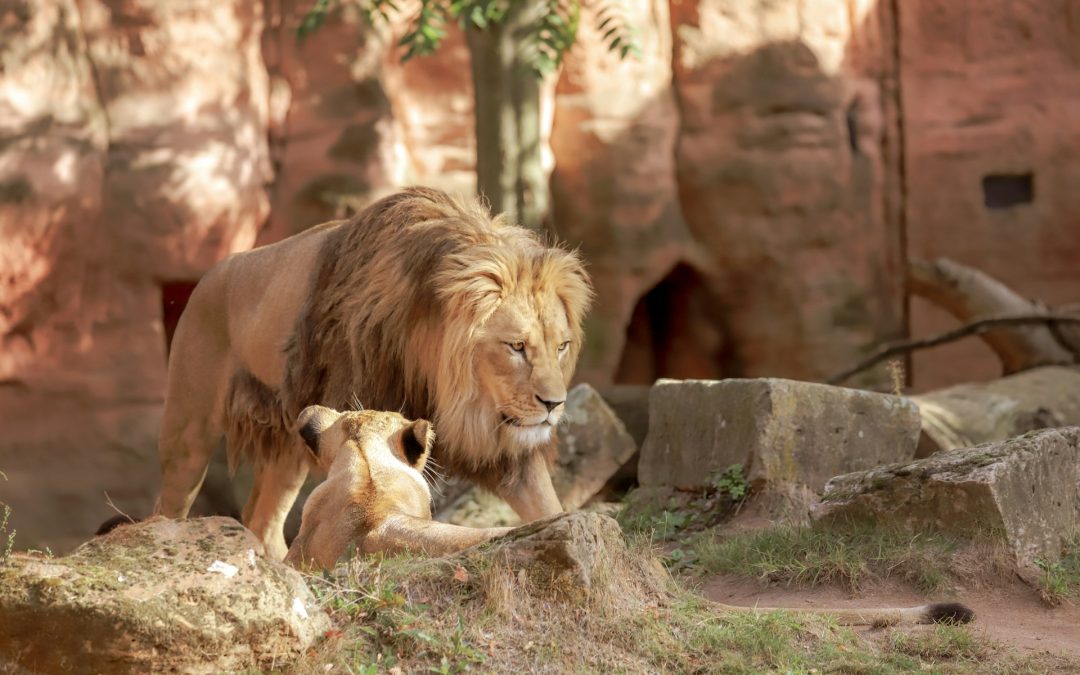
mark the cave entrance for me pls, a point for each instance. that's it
(674, 332)
(174, 298)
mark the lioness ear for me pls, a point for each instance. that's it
(312, 421)
(416, 441)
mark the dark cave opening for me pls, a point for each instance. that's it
(673, 332)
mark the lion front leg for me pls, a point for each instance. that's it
(531, 495)
(278, 481)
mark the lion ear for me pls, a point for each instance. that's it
(416, 441)
(312, 421)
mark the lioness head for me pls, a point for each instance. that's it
(374, 462)
(526, 303)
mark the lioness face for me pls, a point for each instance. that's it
(524, 360)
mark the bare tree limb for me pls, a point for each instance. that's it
(970, 294)
(890, 349)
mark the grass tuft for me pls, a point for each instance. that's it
(852, 556)
(1060, 580)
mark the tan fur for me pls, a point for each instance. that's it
(416, 304)
(374, 497)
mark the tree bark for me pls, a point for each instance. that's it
(509, 169)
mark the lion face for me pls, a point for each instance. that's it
(523, 363)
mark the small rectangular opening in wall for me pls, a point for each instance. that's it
(174, 298)
(1002, 190)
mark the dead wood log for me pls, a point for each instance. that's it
(969, 294)
(970, 414)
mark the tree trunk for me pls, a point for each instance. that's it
(509, 170)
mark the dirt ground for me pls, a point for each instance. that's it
(1012, 615)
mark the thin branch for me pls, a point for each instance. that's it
(890, 349)
(114, 507)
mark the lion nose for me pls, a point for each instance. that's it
(550, 405)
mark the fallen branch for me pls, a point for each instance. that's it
(970, 294)
(890, 349)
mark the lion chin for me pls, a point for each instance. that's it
(421, 303)
(530, 436)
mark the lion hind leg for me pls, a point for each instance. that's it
(940, 612)
(185, 447)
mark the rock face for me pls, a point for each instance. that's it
(613, 187)
(1025, 490)
(779, 430)
(593, 446)
(989, 177)
(744, 206)
(332, 132)
(191, 596)
(783, 164)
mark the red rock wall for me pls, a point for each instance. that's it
(991, 88)
(132, 153)
(782, 174)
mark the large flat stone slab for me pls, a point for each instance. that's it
(193, 596)
(1026, 490)
(779, 430)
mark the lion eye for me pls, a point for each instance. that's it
(518, 346)
(564, 346)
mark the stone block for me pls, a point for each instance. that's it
(779, 430)
(1025, 490)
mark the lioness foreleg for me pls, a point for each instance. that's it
(531, 494)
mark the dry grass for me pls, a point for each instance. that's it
(422, 615)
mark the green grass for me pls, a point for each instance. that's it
(1060, 580)
(851, 556)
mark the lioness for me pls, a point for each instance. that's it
(375, 495)
(421, 303)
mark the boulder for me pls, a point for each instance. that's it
(582, 552)
(193, 596)
(593, 446)
(779, 430)
(1025, 490)
(980, 412)
(630, 403)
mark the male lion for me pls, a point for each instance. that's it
(421, 303)
(375, 495)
